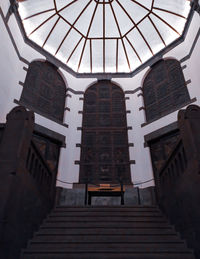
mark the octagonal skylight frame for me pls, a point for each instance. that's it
(85, 67)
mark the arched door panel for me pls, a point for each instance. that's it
(104, 152)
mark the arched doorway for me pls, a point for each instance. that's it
(104, 149)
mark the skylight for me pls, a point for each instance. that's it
(103, 36)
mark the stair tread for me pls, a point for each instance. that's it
(108, 238)
(105, 213)
(108, 246)
(108, 256)
(111, 209)
(105, 218)
(107, 207)
(96, 232)
(84, 224)
(107, 231)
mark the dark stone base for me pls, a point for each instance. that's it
(132, 197)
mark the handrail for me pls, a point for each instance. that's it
(178, 143)
(173, 169)
(41, 157)
(177, 183)
(39, 169)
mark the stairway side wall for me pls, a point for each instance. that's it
(179, 196)
(23, 200)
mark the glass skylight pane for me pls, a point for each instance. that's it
(139, 44)
(133, 59)
(96, 30)
(135, 11)
(123, 20)
(32, 23)
(62, 3)
(73, 11)
(84, 67)
(57, 35)
(29, 7)
(42, 32)
(146, 3)
(111, 29)
(97, 56)
(151, 35)
(166, 32)
(75, 59)
(122, 60)
(172, 20)
(83, 22)
(67, 47)
(110, 55)
(181, 7)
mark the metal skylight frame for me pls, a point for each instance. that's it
(86, 37)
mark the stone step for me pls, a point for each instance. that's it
(111, 208)
(102, 255)
(95, 232)
(106, 213)
(106, 238)
(107, 231)
(108, 247)
(104, 224)
(114, 218)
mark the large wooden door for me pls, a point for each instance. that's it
(104, 152)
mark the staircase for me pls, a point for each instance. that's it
(138, 232)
